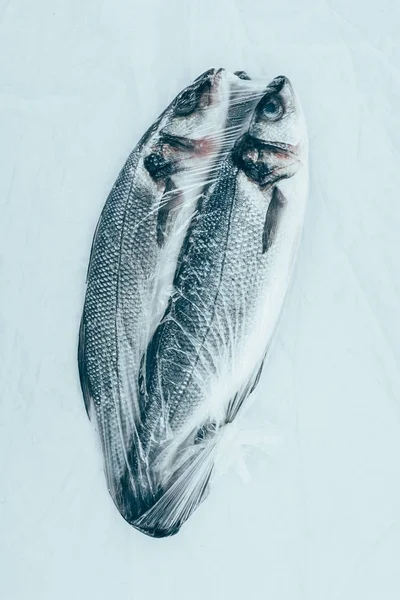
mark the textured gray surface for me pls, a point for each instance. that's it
(320, 517)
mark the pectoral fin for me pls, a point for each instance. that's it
(83, 376)
(275, 208)
(169, 201)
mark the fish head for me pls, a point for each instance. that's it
(200, 108)
(191, 126)
(278, 116)
(275, 145)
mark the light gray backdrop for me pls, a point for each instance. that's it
(320, 516)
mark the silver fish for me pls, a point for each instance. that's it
(206, 355)
(133, 258)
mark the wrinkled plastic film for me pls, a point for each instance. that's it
(189, 268)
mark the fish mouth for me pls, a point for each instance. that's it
(216, 82)
(206, 75)
(282, 85)
(278, 83)
(212, 77)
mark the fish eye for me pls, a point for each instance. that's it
(272, 108)
(187, 103)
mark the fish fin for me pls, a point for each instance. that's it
(87, 396)
(275, 208)
(135, 491)
(193, 466)
(170, 200)
(158, 166)
(188, 487)
(248, 388)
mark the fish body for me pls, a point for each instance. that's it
(233, 272)
(133, 258)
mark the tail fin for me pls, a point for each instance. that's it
(192, 466)
(188, 488)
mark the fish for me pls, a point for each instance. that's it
(206, 355)
(134, 254)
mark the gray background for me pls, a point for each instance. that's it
(319, 516)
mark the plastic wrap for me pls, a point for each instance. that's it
(319, 516)
(189, 268)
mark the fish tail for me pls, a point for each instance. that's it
(133, 497)
(188, 487)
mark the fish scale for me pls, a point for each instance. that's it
(219, 253)
(206, 355)
(126, 284)
(100, 316)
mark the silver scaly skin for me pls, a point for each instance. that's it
(132, 263)
(233, 272)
